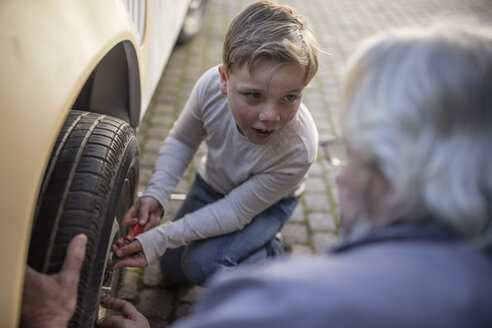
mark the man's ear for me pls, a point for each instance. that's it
(223, 80)
(379, 196)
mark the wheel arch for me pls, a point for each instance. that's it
(113, 87)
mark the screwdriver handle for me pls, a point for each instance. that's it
(134, 231)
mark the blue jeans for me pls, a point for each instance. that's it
(195, 262)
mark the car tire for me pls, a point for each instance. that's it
(89, 184)
(193, 21)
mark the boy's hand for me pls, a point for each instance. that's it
(131, 317)
(139, 213)
(131, 255)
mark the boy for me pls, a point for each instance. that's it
(260, 141)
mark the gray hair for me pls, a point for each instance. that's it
(417, 103)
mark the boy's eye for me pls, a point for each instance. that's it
(253, 95)
(290, 98)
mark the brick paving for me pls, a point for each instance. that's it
(339, 25)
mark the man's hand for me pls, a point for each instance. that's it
(131, 255)
(140, 210)
(131, 317)
(49, 300)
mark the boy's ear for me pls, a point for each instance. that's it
(223, 80)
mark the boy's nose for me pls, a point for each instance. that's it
(269, 114)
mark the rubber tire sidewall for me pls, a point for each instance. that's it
(80, 194)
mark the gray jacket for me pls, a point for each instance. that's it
(402, 276)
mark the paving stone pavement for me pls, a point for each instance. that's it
(339, 25)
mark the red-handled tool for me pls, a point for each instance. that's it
(134, 231)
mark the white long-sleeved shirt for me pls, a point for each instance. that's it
(252, 177)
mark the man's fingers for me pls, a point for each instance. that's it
(122, 306)
(131, 317)
(109, 303)
(70, 272)
(113, 322)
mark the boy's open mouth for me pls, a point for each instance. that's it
(263, 133)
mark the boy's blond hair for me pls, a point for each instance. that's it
(268, 30)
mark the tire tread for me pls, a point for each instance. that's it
(76, 192)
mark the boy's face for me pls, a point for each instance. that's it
(264, 101)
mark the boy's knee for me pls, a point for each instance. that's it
(198, 267)
(170, 265)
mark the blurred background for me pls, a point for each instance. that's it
(338, 25)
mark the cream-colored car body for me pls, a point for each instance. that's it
(48, 50)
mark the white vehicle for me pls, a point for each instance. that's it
(75, 79)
